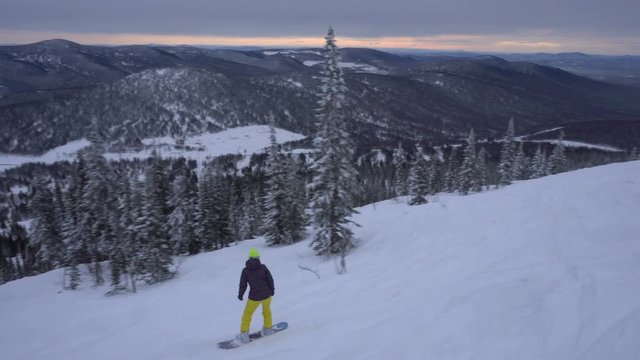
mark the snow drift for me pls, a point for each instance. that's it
(543, 269)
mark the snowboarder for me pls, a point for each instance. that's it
(261, 290)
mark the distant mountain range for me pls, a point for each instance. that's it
(50, 92)
(620, 69)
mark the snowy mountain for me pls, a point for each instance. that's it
(53, 90)
(542, 269)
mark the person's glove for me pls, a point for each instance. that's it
(240, 297)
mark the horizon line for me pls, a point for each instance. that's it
(446, 43)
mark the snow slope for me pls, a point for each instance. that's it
(245, 140)
(543, 269)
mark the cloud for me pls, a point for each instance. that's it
(460, 24)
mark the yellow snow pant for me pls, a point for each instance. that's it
(250, 308)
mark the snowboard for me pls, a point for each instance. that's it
(233, 343)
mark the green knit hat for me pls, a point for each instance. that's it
(253, 253)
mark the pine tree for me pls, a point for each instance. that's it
(507, 157)
(182, 218)
(117, 260)
(558, 158)
(539, 164)
(244, 210)
(205, 218)
(71, 244)
(58, 202)
(520, 165)
(468, 171)
(236, 210)
(255, 216)
(76, 249)
(482, 177)
(277, 197)
(133, 221)
(401, 171)
(296, 215)
(334, 180)
(124, 247)
(96, 203)
(46, 232)
(634, 155)
(451, 176)
(435, 175)
(419, 178)
(220, 212)
(157, 250)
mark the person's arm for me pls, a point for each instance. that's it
(243, 284)
(270, 281)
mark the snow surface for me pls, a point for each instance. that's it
(289, 52)
(245, 140)
(568, 143)
(350, 65)
(542, 269)
(579, 144)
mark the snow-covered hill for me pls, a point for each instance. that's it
(543, 269)
(244, 140)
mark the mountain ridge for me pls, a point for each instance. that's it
(391, 98)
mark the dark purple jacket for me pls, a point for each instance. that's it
(259, 279)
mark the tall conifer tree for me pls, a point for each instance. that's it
(507, 157)
(334, 182)
(468, 176)
(419, 178)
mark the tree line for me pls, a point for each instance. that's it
(126, 222)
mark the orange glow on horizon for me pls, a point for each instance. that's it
(526, 42)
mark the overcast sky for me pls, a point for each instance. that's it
(596, 26)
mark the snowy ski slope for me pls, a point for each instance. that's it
(543, 269)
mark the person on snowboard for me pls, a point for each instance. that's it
(261, 290)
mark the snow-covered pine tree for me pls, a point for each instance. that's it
(539, 163)
(467, 177)
(507, 157)
(117, 260)
(236, 210)
(220, 211)
(134, 238)
(401, 171)
(520, 166)
(255, 210)
(419, 178)
(75, 246)
(244, 209)
(182, 218)
(71, 244)
(558, 158)
(277, 195)
(451, 175)
(205, 218)
(58, 201)
(296, 214)
(46, 234)
(435, 175)
(634, 155)
(153, 224)
(96, 203)
(334, 181)
(482, 173)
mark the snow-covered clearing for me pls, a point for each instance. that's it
(245, 140)
(543, 269)
(350, 65)
(579, 144)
